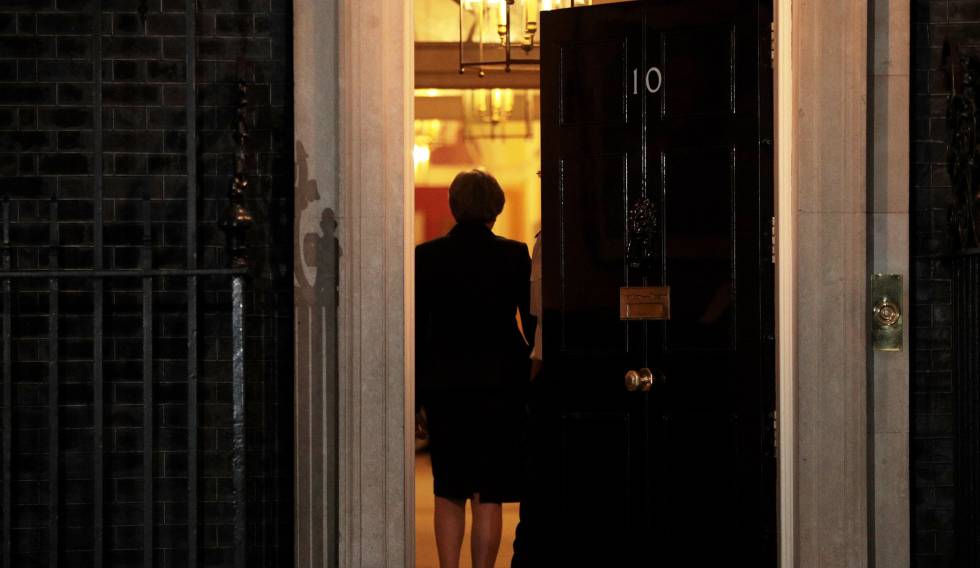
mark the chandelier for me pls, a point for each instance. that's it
(494, 105)
(490, 30)
(499, 114)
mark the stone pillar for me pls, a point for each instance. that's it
(353, 121)
(889, 233)
(830, 277)
(376, 449)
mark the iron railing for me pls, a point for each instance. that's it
(237, 220)
(962, 153)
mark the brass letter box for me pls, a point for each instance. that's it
(644, 303)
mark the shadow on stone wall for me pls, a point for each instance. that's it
(316, 272)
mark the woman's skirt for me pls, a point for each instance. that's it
(476, 439)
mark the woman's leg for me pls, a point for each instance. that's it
(450, 521)
(485, 540)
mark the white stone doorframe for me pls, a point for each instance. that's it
(842, 190)
(354, 381)
(353, 105)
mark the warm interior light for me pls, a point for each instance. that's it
(531, 10)
(427, 133)
(530, 17)
(496, 105)
(421, 155)
(557, 4)
(493, 105)
(514, 27)
(479, 98)
(502, 7)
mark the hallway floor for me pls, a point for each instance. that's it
(425, 539)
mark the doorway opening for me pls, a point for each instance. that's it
(464, 122)
(460, 129)
(446, 112)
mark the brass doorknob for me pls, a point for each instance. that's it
(640, 380)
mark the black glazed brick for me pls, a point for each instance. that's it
(59, 70)
(65, 164)
(166, 71)
(75, 94)
(27, 94)
(127, 24)
(124, 47)
(74, 47)
(61, 118)
(27, 46)
(933, 389)
(64, 24)
(126, 70)
(48, 133)
(166, 24)
(131, 94)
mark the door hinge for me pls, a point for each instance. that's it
(772, 232)
(772, 42)
(775, 429)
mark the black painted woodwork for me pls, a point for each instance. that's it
(682, 475)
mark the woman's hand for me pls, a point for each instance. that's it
(421, 425)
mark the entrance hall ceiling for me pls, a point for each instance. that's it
(436, 21)
(437, 52)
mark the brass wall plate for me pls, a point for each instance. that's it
(887, 312)
(644, 303)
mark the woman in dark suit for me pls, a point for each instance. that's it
(471, 366)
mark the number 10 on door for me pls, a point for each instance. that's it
(652, 80)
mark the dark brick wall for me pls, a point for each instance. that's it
(933, 388)
(48, 134)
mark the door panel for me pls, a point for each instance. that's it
(682, 474)
(698, 518)
(593, 83)
(699, 243)
(588, 439)
(592, 194)
(594, 165)
(700, 64)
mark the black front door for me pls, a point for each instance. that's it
(656, 170)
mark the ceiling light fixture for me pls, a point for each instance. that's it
(499, 114)
(496, 26)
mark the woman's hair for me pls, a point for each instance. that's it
(475, 196)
